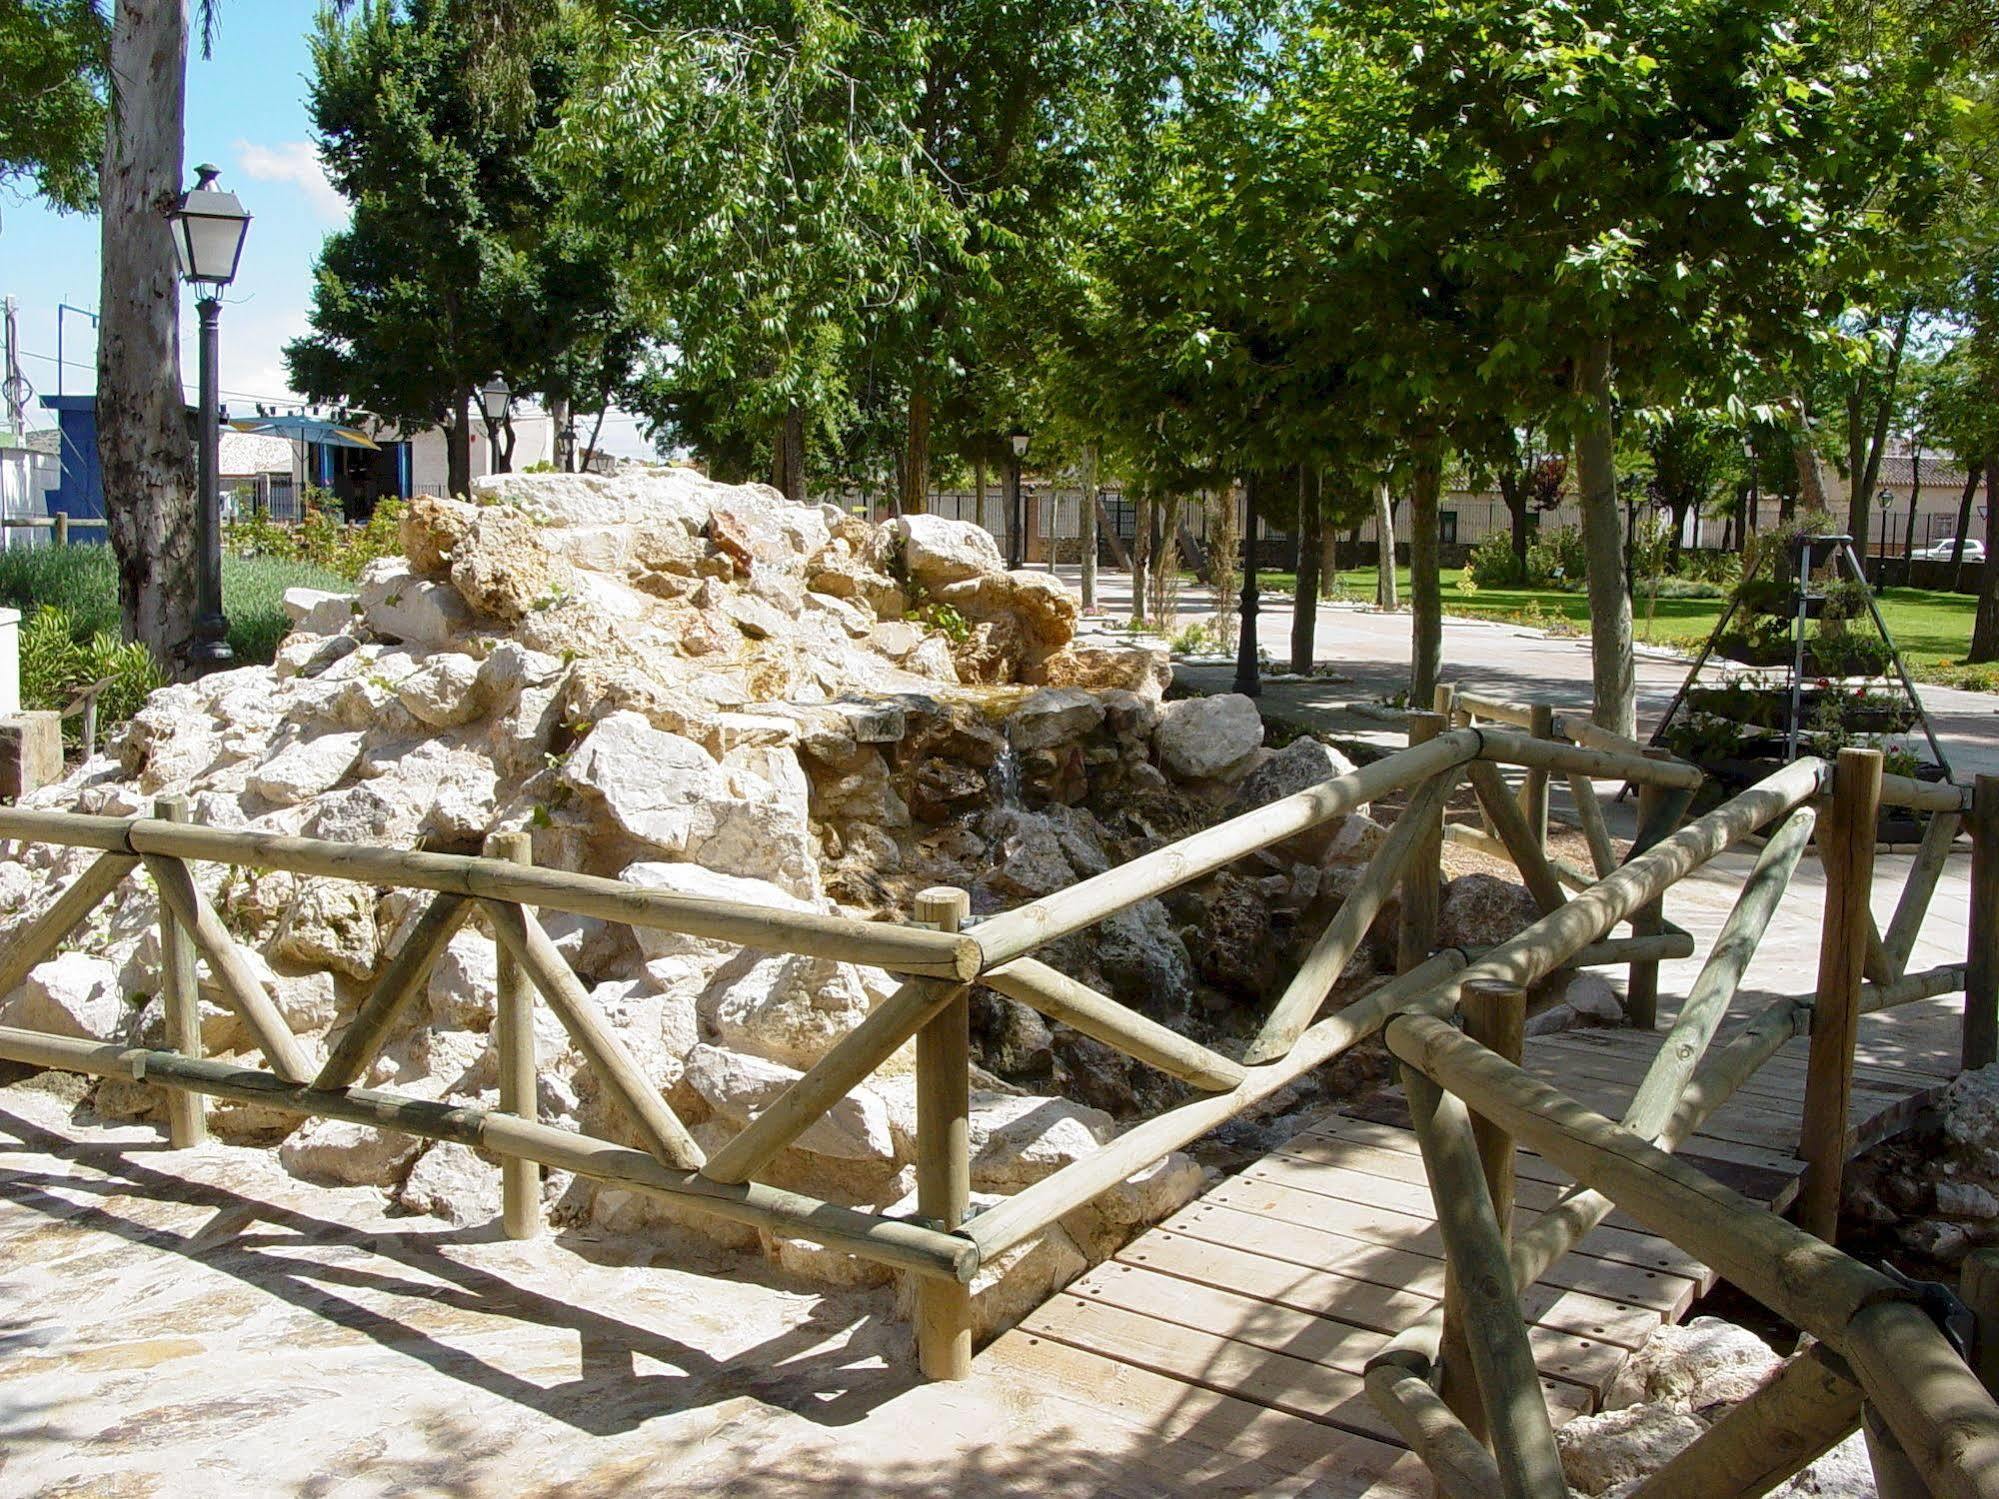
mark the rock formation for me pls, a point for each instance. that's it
(705, 689)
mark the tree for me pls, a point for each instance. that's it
(142, 436)
(1690, 455)
(52, 111)
(1531, 481)
(1629, 196)
(454, 264)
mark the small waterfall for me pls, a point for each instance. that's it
(1006, 778)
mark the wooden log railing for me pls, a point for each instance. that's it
(941, 955)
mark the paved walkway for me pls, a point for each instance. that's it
(1370, 651)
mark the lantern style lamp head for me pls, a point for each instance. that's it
(209, 227)
(494, 397)
(1018, 437)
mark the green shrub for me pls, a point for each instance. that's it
(56, 666)
(1492, 563)
(1557, 559)
(322, 538)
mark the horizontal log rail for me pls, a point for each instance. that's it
(901, 949)
(892, 1241)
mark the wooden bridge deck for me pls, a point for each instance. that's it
(1244, 1322)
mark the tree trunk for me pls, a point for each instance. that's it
(1305, 603)
(1087, 517)
(916, 456)
(1611, 664)
(1384, 530)
(560, 416)
(791, 440)
(1985, 628)
(597, 428)
(1811, 480)
(1140, 554)
(1963, 527)
(1329, 546)
(1915, 498)
(1868, 473)
(1426, 597)
(142, 433)
(1511, 491)
(458, 448)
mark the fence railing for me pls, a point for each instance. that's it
(1858, 1313)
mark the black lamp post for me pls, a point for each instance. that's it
(1248, 663)
(1884, 499)
(494, 400)
(1016, 528)
(209, 226)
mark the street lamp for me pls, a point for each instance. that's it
(1755, 494)
(1248, 659)
(1016, 538)
(494, 400)
(209, 226)
(1884, 499)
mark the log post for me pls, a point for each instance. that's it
(1495, 1016)
(1534, 790)
(513, 1041)
(1422, 881)
(1641, 994)
(1514, 1408)
(187, 1119)
(1846, 847)
(1978, 1288)
(943, 1151)
(1981, 982)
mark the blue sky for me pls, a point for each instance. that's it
(246, 112)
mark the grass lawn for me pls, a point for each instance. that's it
(82, 581)
(1932, 628)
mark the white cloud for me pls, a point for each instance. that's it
(296, 162)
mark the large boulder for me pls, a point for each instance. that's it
(740, 1087)
(1017, 1140)
(786, 1007)
(1695, 1366)
(500, 567)
(1209, 738)
(1602, 1454)
(397, 604)
(1483, 910)
(1299, 766)
(72, 994)
(338, 1153)
(1104, 666)
(937, 551)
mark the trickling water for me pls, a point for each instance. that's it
(1006, 778)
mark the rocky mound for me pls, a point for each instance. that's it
(690, 686)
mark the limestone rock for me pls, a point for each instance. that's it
(1694, 1366)
(1602, 1452)
(398, 604)
(329, 923)
(1107, 666)
(430, 530)
(1016, 1141)
(1299, 766)
(740, 1087)
(786, 1007)
(654, 784)
(357, 1155)
(72, 994)
(451, 1182)
(500, 567)
(1209, 738)
(1044, 606)
(1483, 910)
(464, 985)
(700, 884)
(443, 691)
(314, 611)
(1051, 717)
(936, 551)
(302, 771)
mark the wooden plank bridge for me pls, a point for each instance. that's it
(1245, 1321)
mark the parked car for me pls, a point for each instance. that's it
(1974, 551)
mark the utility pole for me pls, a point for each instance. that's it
(13, 386)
